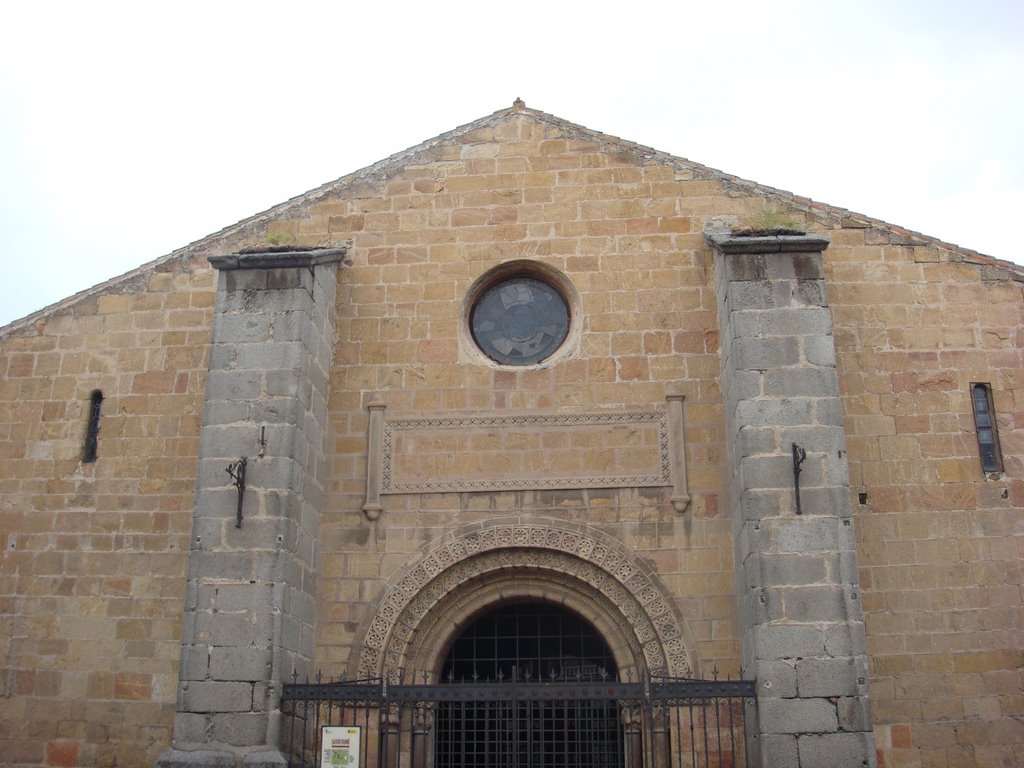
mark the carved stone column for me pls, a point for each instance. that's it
(632, 727)
(250, 611)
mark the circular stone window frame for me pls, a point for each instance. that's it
(535, 270)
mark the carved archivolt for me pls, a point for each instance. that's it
(579, 567)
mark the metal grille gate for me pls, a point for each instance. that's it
(662, 723)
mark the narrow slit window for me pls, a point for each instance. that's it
(92, 433)
(985, 424)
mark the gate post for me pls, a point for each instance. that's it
(633, 732)
(422, 724)
(797, 583)
(660, 753)
(390, 735)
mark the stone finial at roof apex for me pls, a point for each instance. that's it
(518, 104)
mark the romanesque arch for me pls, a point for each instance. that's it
(463, 573)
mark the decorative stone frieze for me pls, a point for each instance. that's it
(528, 451)
(548, 559)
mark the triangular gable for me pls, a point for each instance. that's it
(831, 217)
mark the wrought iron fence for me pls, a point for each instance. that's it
(574, 723)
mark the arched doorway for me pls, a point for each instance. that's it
(461, 587)
(458, 576)
(510, 648)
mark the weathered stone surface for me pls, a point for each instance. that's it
(197, 758)
(243, 664)
(264, 759)
(252, 599)
(837, 750)
(797, 715)
(779, 751)
(212, 696)
(238, 729)
(828, 677)
(854, 713)
(791, 596)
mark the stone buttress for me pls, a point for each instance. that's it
(800, 619)
(250, 606)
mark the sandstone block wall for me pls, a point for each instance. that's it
(92, 574)
(94, 554)
(914, 324)
(628, 236)
(939, 542)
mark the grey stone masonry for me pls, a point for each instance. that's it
(797, 586)
(250, 603)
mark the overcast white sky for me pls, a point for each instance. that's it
(130, 129)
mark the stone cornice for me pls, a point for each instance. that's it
(278, 259)
(727, 242)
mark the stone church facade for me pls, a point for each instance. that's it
(521, 364)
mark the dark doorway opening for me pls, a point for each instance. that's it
(524, 644)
